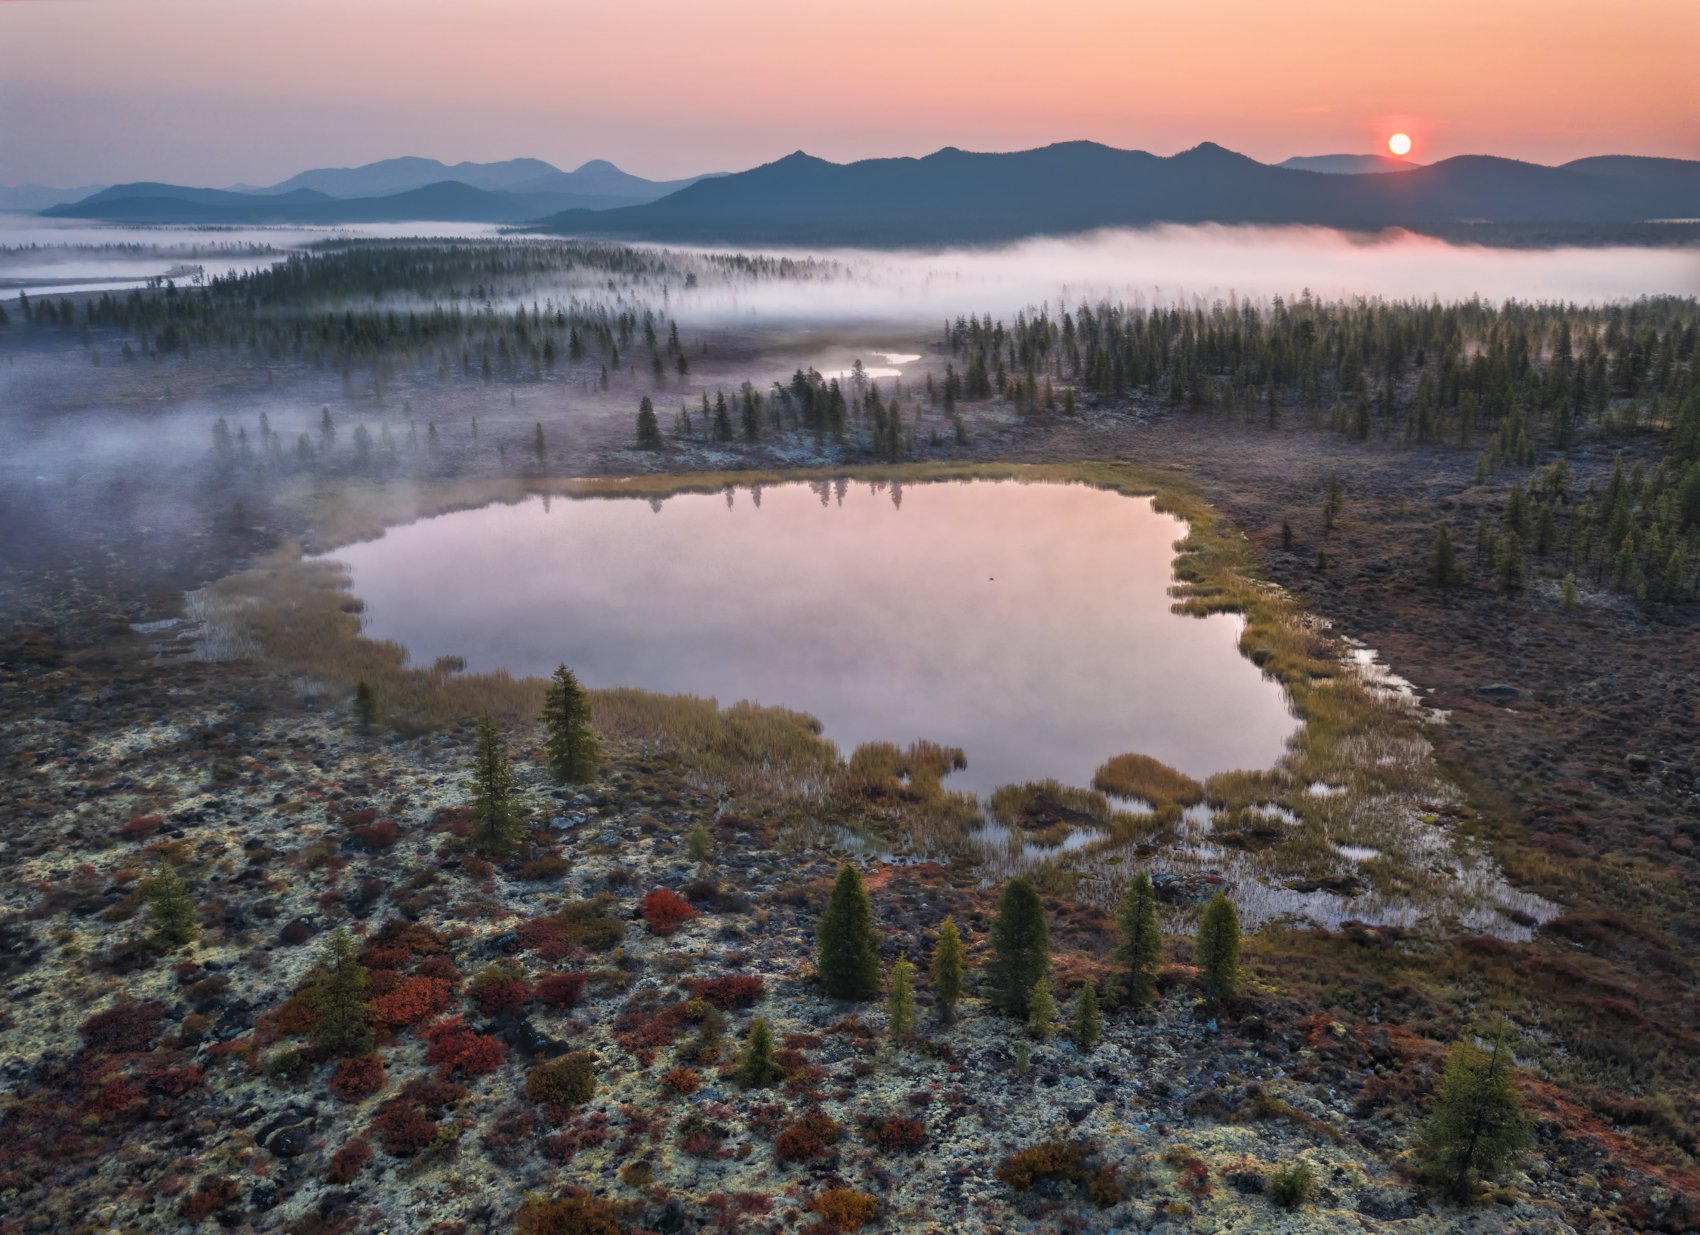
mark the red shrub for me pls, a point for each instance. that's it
(456, 1047)
(397, 944)
(642, 1026)
(123, 1027)
(208, 1199)
(732, 991)
(437, 967)
(141, 826)
(550, 939)
(380, 835)
(355, 1079)
(347, 1161)
(175, 1082)
(665, 911)
(412, 1001)
(810, 1137)
(560, 990)
(894, 1131)
(502, 996)
(683, 1081)
(403, 1128)
(585, 1132)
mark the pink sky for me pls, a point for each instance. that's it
(218, 91)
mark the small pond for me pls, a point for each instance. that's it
(1029, 624)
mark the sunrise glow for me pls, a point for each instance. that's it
(1399, 144)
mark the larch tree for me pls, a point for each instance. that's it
(847, 949)
(1142, 942)
(1085, 1026)
(947, 969)
(648, 427)
(496, 823)
(1218, 947)
(574, 754)
(900, 999)
(1021, 948)
(171, 910)
(759, 1067)
(343, 1027)
(1476, 1126)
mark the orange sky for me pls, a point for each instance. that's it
(214, 91)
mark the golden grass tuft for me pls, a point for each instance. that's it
(1141, 776)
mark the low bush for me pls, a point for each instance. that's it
(559, 990)
(576, 1213)
(666, 911)
(455, 1047)
(124, 1027)
(411, 1001)
(845, 1208)
(355, 1079)
(1025, 1169)
(348, 1161)
(567, 1081)
(732, 991)
(1293, 1185)
(806, 1139)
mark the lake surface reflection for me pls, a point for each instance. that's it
(1029, 624)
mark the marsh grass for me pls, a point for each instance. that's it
(1141, 776)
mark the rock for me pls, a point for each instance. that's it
(288, 1135)
(1499, 690)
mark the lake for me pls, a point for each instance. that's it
(1029, 624)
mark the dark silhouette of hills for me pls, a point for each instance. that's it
(597, 178)
(1347, 164)
(953, 196)
(404, 189)
(446, 201)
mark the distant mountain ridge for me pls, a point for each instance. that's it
(392, 190)
(597, 178)
(1347, 164)
(953, 196)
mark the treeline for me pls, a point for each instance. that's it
(858, 416)
(445, 314)
(1506, 381)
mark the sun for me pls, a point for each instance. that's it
(1400, 144)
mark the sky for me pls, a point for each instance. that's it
(215, 92)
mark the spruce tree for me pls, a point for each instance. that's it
(365, 706)
(1218, 947)
(847, 953)
(1084, 1028)
(900, 999)
(648, 428)
(1332, 503)
(496, 824)
(758, 1066)
(343, 1027)
(171, 910)
(1142, 941)
(574, 754)
(947, 967)
(698, 843)
(1443, 566)
(1568, 596)
(1021, 948)
(1476, 1126)
(1041, 1007)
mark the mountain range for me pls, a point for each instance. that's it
(951, 196)
(403, 189)
(954, 196)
